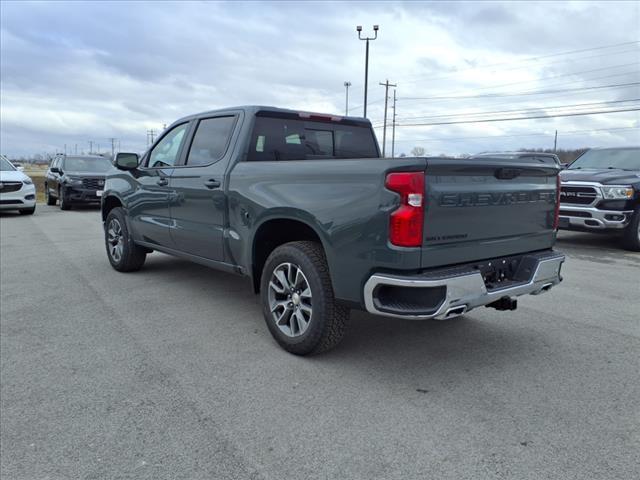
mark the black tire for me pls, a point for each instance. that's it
(63, 200)
(328, 320)
(131, 256)
(50, 200)
(631, 236)
(27, 211)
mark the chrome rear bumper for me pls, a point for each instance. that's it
(464, 290)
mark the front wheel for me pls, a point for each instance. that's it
(64, 201)
(298, 302)
(631, 236)
(124, 255)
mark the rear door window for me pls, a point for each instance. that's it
(210, 140)
(299, 139)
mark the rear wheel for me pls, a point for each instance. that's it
(50, 200)
(64, 201)
(631, 236)
(298, 302)
(27, 211)
(124, 255)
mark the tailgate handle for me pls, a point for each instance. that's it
(507, 173)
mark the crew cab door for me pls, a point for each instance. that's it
(149, 205)
(198, 214)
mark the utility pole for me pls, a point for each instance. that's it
(113, 147)
(555, 142)
(386, 86)
(346, 105)
(90, 147)
(76, 149)
(393, 128)
(65, 149)
(366, 62)
(150, 135)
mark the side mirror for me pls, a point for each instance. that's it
(56, 170)
(127, 161)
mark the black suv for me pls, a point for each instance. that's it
(76, 179)
(601, 193)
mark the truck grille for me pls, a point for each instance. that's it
(93, 183)
(577, 195)
(6, 187)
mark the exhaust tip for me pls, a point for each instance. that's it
(455, 311)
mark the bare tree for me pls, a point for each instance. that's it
(418, 151)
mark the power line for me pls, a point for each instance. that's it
(455, 139)
(559, 76)
(574, 114)
(553, 93)
(518, 94)
(520, 109)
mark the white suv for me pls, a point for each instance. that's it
(17, 191)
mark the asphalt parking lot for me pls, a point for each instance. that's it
(170, 373)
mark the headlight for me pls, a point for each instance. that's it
(617, 193)
(73, 181)
(27, 181)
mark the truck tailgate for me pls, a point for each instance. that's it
(483, 208)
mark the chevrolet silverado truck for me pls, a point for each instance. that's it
(600, 192)
(304, 205)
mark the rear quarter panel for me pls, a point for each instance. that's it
(343, 201)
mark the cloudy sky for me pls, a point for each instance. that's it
(76, 72)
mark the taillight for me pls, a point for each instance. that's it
(556, 217)
(405, 223)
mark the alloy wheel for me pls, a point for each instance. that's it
(290, 299)
(115, 240)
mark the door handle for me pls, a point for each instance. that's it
(211, 183)
(163, 182)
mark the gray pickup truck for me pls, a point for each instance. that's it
(303, 204)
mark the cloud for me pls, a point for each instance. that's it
(74, 72)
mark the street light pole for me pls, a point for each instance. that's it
(366, 62)
(346, 101)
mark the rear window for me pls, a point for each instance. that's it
(292, 139)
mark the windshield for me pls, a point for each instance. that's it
(87, 164)
(5, 165)
(622, 158)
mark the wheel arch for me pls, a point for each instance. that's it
(109, 203)
(272, 233)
